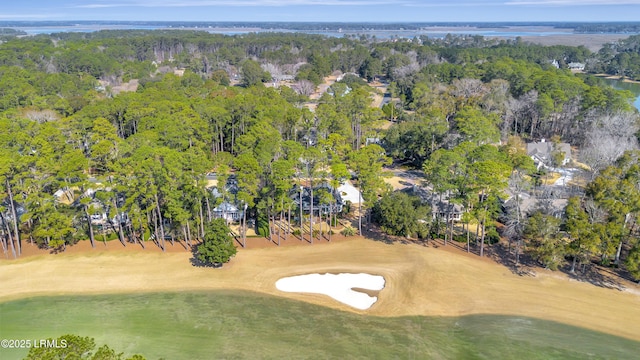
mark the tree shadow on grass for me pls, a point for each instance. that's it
(505, 256)
(373, 232)
(600, 276)
(56, 250)
(97, 245)
(458, 246)
(597, 275)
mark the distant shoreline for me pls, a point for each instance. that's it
(617, 77)
(546, 34)
(593, 42)
(525, 31)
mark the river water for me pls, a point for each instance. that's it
(633, 87)
(433, 32)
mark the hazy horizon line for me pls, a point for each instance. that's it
(326, 22)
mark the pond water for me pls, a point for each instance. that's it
(633, 87)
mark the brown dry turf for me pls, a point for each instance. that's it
(420, 280)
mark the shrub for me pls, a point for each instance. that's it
(461, 238)
(491, 236)
(347, 207)
(262, 226)
(348, 231)
(147, 234)
(423, 231)
(113, 235)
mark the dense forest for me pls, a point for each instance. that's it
(132, 124)
(621, 58)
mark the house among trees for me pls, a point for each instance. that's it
(310, 138)
(7, 215)
(282, 77)
(100, 212)
(228, 211)
(279, 79)
(549, 154)
(338, 91)
(99, 216)
(63, 196)
(528, 205)
(230, 208)
(441, 208)
(551, 200)
(350, 193)
(335, 206)
(372, 140)
(576, 66)
(231, 187)
(446, 210)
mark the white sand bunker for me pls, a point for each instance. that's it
(338, 286)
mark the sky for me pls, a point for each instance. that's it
(322, 10)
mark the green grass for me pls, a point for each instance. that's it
(245, 325)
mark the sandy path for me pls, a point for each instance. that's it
(419, 281)
(322, 88)
(403, 178)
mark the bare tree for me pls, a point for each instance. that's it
(496, 98)
(565, 123)
(596, 213)
(272, 69)
(406, 70)
(468, 88)
(514, 220)
(522, 114)
(305, 87)
(290, 68)
(609, 136)
(42, 116)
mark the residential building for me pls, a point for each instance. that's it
(335, 206)
(441, 207)
(228, 211)
(543, 153)
(576, 66)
